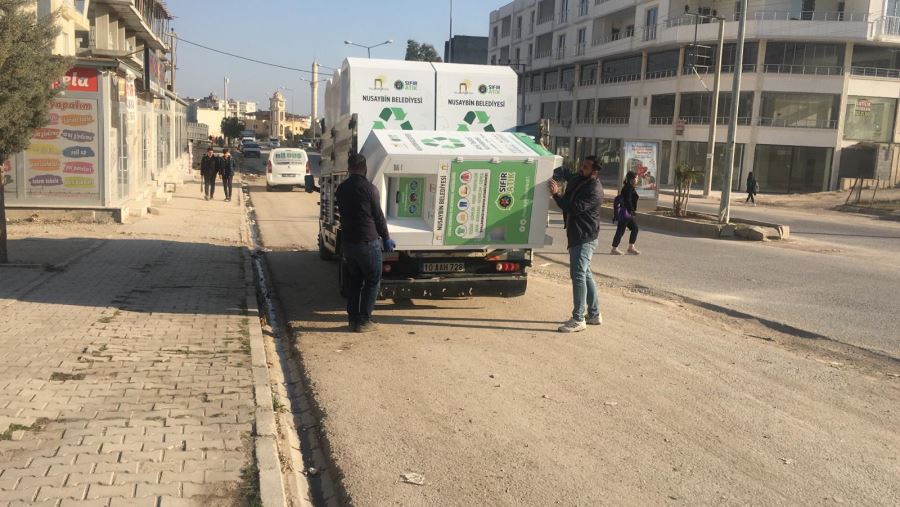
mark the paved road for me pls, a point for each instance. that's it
(493, 407)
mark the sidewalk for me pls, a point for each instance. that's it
(126, 378)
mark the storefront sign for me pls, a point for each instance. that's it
(61, 164)
(153, 72)
(870, 119)
(641, 158)
(79, 79)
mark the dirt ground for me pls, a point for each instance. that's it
(664, 403)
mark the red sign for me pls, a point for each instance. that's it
(79, 79)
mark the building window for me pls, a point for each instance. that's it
(551, 80)
(565, 113)
(584, 112)
(804, 58)
(621, 69)
(792, 169)
(696, 108)
(493, 59)
(609, 153)
(545, 11)
(567, 78)
(693, 154)
(563, 11)
(518, 56)
(870, 119)
(505, 26)
(875, 61)
(581, 42)
(799, 110)
(662, 109)
(504, 55)
(613, 111)
(549, 111)
(663, 64)
(588, 75)
(518, 33)
(583, 7)
(544, 45)
(561, 46)
(495, 35)
(650, 24)
(531, 24)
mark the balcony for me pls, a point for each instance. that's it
(620, 78)
(149, 19)
(612, 120)
(875, 72)
(661, 74)
(580, 49)
(800, 124)
(542, 53)
(660, 120)
(806, 16)
(560, 52)
(816, 70)
(890, 25)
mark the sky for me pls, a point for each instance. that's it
(294, 32)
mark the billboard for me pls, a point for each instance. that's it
(61, 162)
(641, 157)
(475, 98)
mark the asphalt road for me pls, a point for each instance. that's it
(664, 403)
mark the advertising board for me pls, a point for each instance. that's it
(475, 98)
(641, 157)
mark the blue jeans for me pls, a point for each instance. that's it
(364, 265)
(584, 291)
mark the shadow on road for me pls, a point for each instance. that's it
(307, 290)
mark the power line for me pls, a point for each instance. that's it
(226, 53)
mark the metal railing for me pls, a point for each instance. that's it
(560, 52)
(612, 120)
(550, 86)
(806, 16)
(875, 72)
(564, 15)
(748, 67)
(610, 38)
(890, 25)
(660, 74)
(545, 18)
(542, 53)
(720, 120)
(583, 8)
(818, 70)
(583, 121)
(661, 120)
(742, 120)
(587, 82)
(620, 79)
(800, 124)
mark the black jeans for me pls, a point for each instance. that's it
(750, 198)
(364, 265)
(620, 231)
(226, 185)
(209, 185)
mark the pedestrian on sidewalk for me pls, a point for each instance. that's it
(624, 210)
(226, 168)
(752, 189)
(364, 234)
(580, 205)
(208, 170)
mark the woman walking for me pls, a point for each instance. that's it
(624, 209)
(752, 188)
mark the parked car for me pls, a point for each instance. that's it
(286, 167)
(251, 150)
(274, 143)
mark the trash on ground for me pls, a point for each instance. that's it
(413, 478)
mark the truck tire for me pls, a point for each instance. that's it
(343, 279)
(324, 253)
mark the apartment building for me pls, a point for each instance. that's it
(211, 110)
(118, 131)
(817, 103)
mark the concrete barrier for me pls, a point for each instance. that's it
(752, 230)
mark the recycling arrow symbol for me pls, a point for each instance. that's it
(470, 119)
(443, 142)
(392, 113)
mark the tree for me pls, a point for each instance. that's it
(416, 52)
(232, 127)
(28, 70)
(685, 177)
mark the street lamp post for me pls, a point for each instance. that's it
(368, 48)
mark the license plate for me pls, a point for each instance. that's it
(288, 175)
(443, 267)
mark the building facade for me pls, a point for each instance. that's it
(117, 131)
(211, 110)
(817, 103)
(282, 124)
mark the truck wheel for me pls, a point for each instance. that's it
(403, 302)
(344, 279)
(324, 253)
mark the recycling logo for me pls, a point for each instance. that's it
(398, 84)
(392, 116)
(482, 89)
(443, 142)
(473, 118)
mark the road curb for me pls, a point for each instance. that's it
(704, 229)
(271, 485)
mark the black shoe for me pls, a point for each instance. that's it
(353, 327)
(367, 327)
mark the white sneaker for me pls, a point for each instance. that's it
(595, 321)
(633, 251)
(615, 251)
(572, 326)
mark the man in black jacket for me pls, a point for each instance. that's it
(208, 170)
(581, 217)
(226, 166)
(364, 234)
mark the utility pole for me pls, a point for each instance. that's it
(225, 115)
(714, 112)
(725, 203)
(450, 41)
(314, 102)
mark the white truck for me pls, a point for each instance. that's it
(464, 200)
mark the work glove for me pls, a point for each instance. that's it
(389, 245)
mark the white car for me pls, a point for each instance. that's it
(286, 167)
